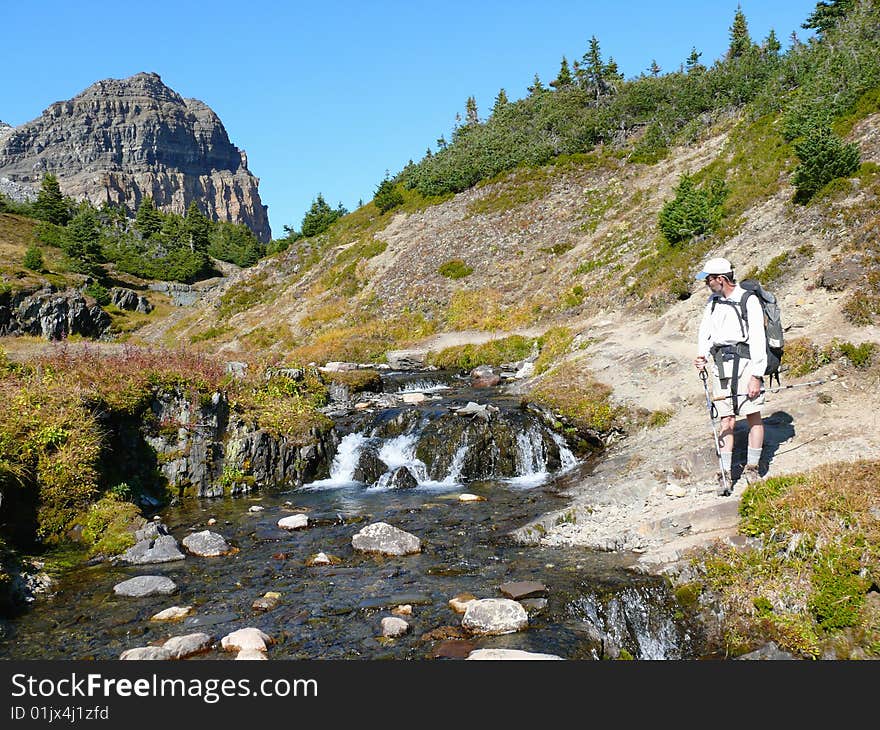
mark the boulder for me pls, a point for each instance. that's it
(508, 654)
(163, 549)
(369, 466)
(517, 590)
(293, 522)
(174, 613)
(380, 537)
(267, 601)
(251, 654)
(402, 478)
(145, 585)
(406, 359)
(146, 653)
(206, 544)
(460, 602)
(393, 626)
(494, 616)
(249, 638)
(180, 647)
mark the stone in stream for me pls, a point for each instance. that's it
(256, 508)
(404, 609)
(160, 549)
(509, 654)
(142, 653)
(320, 559)
(494, 616)
(380, 537)
(453, 649)
(402, 478)
(174, 613)
(206, 544)
(252, 654)
(267, 601)
(460, 602)
(247, 638)
(392, 627)
(517, 590)
(293, 522)
(145, 585)
(181, 647)
(467, 497)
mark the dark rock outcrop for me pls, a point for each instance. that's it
(123, 139)
(51, 314)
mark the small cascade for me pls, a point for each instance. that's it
(422, 386)
(639, 617)
(344, 462)
(443, 444)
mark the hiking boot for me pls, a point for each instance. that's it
(725, 485)
(751, 473)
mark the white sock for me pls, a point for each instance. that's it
(754, 456)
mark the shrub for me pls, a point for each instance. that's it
(693, 210)
(387, 196)
(823, 157)
(33, 259)
(98, 292)
(454, 269)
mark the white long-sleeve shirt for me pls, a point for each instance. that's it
(722, 327)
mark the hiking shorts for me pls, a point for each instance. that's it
(721, 386)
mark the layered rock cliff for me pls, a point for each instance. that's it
(123, 139)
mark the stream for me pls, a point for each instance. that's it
(595, 606)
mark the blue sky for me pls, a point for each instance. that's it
(325, 97)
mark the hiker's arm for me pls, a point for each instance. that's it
(704, 340)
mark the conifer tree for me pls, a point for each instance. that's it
(771, 46)
(537, 87)
(823, 158)
(51, 205)
(827, 14)
(148, 220)
(654, 68)
(197, 228)
(564, 79)
(500, 102)
(740, 42)
(33, 258)
(472, 117)
(82, 241)
(320, 217)
(693, 61)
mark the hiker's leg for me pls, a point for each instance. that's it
(756, 431)
(756, 441)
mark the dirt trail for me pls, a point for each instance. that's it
(630, 501)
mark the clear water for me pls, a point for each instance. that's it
(335, 611)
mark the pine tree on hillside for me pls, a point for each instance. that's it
(692, 63)
(537, 87)
(472, 116)
(740, 41)
(564, 79)
(82, 241)
(500, 102)
(197, 228)
(320, 217)
(654, 69)
(827, 14)
(51, 205)
(148, 220)
(771, 45)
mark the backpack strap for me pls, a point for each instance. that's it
(740, 313)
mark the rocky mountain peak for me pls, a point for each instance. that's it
(122, 139)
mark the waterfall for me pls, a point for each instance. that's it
(344, 463)
(569, 460)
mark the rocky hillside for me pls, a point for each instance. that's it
(123, 139)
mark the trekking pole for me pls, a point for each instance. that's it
(725, 487)
(780, 387)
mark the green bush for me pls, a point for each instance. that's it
(693, 210)
(33, 258)
(454, 269)
(98, 292)
(823, 158)
(387, 196)
(235, 243)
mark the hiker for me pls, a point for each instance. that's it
(739, 360)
